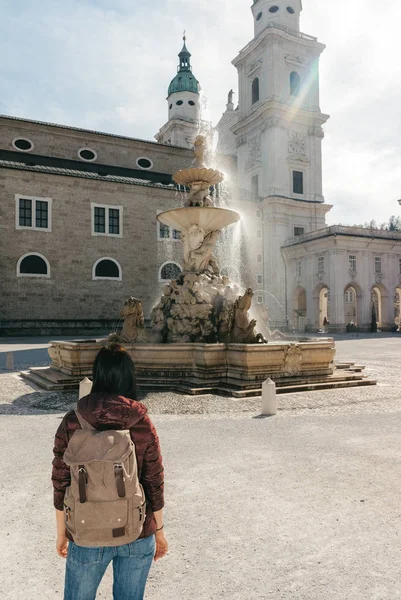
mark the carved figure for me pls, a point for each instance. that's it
(198, 250)
(244, 329)
(200, 149)
(134, 322)
(199, 196)
(230, 96)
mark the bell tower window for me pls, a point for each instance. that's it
(297, 182)
(295, 84)
(255, 90)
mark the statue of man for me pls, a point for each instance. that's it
(230, 96)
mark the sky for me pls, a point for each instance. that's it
(106, 65)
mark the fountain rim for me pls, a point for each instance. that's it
(235, 216)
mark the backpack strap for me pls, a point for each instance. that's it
(84, 424)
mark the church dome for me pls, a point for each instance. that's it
(184, 81)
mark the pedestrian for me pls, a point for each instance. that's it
(90, 498)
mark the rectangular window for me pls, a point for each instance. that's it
(320, 264)
(33, 213)
(259, 279)
(176, 234)
(259, 258)
(107, 220)
(378, 264)
(299, 268)
(25, 212)
(259, 299)
(42, 214)
(352, 263)
(255, 187)
(114, 221)
(299, 231)
(100, 220)
(297, 182)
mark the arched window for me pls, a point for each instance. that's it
(33, 265)
(107, 268)
(255, 90)
(169, 271)
(295, 83)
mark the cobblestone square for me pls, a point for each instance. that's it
(304, 505)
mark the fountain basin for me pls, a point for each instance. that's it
(209, 218)
(197, 368)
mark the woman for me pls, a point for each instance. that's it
(109, 406)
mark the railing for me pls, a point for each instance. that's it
(294, 32)
(344, 230)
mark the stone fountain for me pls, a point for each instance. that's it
(201, 305)
(201, 338)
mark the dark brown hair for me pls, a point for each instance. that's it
(114, 372)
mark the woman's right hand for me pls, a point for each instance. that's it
(161, 545)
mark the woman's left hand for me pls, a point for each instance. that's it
(62, 546)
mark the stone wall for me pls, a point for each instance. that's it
(71, 249)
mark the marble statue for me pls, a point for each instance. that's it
(198, 250)
(244, 329)
(230, 96)
(134, 323)
(200, 149)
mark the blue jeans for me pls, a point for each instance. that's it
(131, 565)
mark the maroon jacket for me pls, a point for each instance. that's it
(107, 411)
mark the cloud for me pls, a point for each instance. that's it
(106, 65)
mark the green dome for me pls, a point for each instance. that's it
(184, 81)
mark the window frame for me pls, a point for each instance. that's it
(255, 87)
(107, 217)
(298, 87)
(298, 227)
(298, 269)
(34, 199)
(144, 158)
(88, 160)
(320, 261)
(26, 139)
(259, 279)
(302, 172)
(97, 278)
(168, 262)
(352, 258)
(378, 261)
(35, 275)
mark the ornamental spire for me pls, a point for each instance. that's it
(184, 56)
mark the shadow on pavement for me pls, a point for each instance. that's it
(40, 402)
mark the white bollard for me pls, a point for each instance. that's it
(85, 388)
(269, 398)
(10, 361)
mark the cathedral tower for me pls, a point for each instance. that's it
(279, 132)
(184, 107)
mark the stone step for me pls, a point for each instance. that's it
(48, 384)
(329, 385)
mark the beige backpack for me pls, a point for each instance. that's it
(105, 503)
